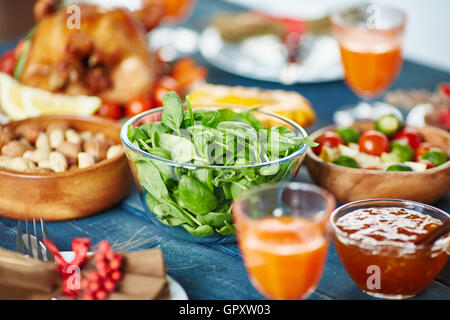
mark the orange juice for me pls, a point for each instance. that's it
(369, 74)
(370, 43)
(177, 9)
(284, 256)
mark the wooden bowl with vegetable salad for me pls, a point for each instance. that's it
(61, 167)
(381, 159)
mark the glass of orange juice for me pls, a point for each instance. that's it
(370, 43)
(177, 10)
(282, 232)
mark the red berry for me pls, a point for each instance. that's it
(101, 294)
(103, 246)
(116, 275)
(93, 276)
(88, 296)
(103, 270)
(99, 256)
(109, 285)
(84, 283)
(94, 286)
(101, 265)
(115, 263)
(109, 254)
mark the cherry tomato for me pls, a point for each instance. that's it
(444, 117)
(8, 62)
(183, 65)
(409, 135)
(186, 72)
(164, 85)
(138, 105)
(374, 143)
(422, 149)
(111, 110)
(330, 139)
(445, 88)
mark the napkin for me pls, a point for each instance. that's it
(144, 277)
(25, 278)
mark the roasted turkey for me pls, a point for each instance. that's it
(107, 56)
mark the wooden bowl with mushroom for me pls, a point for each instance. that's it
(61, 167)
(351, 184)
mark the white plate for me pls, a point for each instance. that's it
(176, 290)
(262, 57)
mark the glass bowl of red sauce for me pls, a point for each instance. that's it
(375, 241)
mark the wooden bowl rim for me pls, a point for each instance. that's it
(68, 173)
(333, 166)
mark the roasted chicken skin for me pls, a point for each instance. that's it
(107, 56)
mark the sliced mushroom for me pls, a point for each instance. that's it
(14, 149)
(16, 164)
(97, 148)
(86, 135)
(29, 131)
(70, 151)
(36, 155)
(56, 138)
(85, 160)
(114, 151)
(72, 136)
(43, 142)
(58, 162)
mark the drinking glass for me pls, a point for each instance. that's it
(177, 10)
(282, 232)
(370, 43)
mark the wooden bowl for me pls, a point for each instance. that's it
(349, 184)
(71, 194)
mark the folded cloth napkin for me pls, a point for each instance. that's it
(25, 278)
(144, 277)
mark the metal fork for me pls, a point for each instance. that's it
(33, 246)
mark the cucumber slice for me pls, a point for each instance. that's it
(399, 167)
(346, 161)
(388, 124)
(390, 157)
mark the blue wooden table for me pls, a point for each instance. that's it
(217, 271)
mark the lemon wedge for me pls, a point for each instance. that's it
(19, 101)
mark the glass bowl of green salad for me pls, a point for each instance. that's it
(190, 161)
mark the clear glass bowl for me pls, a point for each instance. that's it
(403, 269)
(287, 166)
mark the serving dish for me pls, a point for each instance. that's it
(143, 164)
(246, 58)
(376, 243)
(350, 184)
(71, 194)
